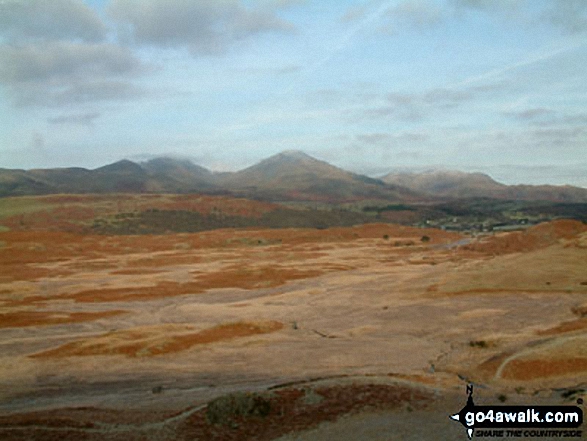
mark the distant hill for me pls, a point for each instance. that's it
(294, 175)
(287, 176)
(447, 183)
(179, 176)
(454, 184)
(22, 182)
(162, 175)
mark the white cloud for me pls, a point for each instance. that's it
(204, 27)
(61, 73)
(23, 20)
(570, 15)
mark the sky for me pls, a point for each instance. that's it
(497, 86)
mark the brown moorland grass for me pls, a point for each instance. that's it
(570, 326)
(20, 272)
(248, 277)
(232, 277)
(536, 369)
(137, 271)
(228, 205)
(25, 254)
(488, 368)
(75, 213)
(159, 290)
(20, 319)
(536, 237)
(552, 270)
(464, 292)
(564, 357)
(163, 260)
(139, 342)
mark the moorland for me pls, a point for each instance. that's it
(291, 300)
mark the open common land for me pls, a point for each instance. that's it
(135, 317)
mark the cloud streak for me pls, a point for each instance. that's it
(570, 16)
(84, 119)
(535, 58)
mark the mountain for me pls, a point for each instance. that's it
(287, 176)
(23, 183)
(121, 177)
(552, 193)
(179, 175)
(162, 175)
(455, 184)
(447, 183)
(294, 175)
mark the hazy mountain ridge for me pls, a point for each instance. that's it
(445, 182)
(460, 185)
(287, 176)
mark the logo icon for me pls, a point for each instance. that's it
(469, 407)
(550, 418)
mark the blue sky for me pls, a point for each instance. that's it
(498, 86)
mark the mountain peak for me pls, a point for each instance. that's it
(295, 154)
(292, 163)
(124, 165)
(289, 156)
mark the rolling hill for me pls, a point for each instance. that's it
(286, 177)
(460, 185)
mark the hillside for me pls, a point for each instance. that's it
(455, 184)
(294, 175)
(178, 175)
(162, 175)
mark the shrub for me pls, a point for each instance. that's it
(478, 344)
(223, 410)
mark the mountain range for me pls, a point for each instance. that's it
(287, 176)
